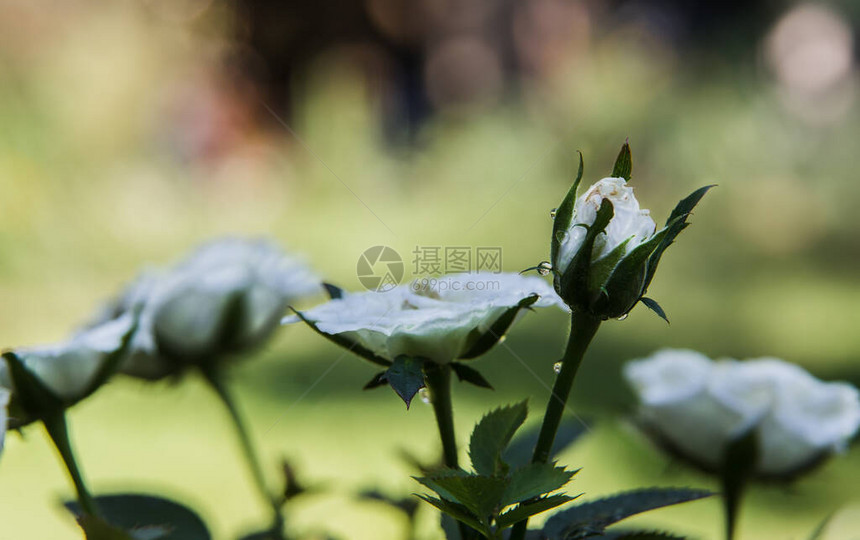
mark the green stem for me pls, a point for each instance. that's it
(437, 377)
(583, 326)
(55, 425)
(212, 375)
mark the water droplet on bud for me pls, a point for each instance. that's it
(544, 268)
(553, 212)
(557, 367)
(621, 318)
(424, 394)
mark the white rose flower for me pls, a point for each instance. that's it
(227, 296)
(447, 322)
(70, 370)
(698, 407)
(629, 223)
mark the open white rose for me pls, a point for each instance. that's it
(70, 370)
(227, 296)
(629, 223)
(450, 321)
(698, 407)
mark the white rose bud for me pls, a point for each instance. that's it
(629, 225)
(605, 248)
(228, 296)
(699, 407)
(69, 370)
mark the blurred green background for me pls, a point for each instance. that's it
(131, 131)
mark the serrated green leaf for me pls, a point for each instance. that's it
(528, 510)
(623, 163)
(535, 480)
(481, 342)
(595, 516)
(492, 435)
(346, 343)
(676, 223)
(406, 377)
(519, 452)
(470, 375)
(655, 307)
(148, 515)
(458, 512)
(574, 281)
(480, 494)
(564, 213)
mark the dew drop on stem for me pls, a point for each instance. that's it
(553, 212)
(557, 367)
(544, 268)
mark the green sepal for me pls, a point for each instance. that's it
(564, 213)
(346, 343)
(527, 510)
(483, 341)
(652, 304)
(492, 435)
(333, 291)
(593, 517)
(113, 360)
(466, 374)
(676, 223)
(572, 285)
(624, 286)
(406, 377)
(738, 465)
(602, 268)
(623, 163)
(32, 399)
(535, 480)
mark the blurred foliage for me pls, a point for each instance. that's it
(125, 139)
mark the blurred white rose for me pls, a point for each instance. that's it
(227, 296)
(70, 370)
(441, 323)
(697, 407)
(629, 223)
